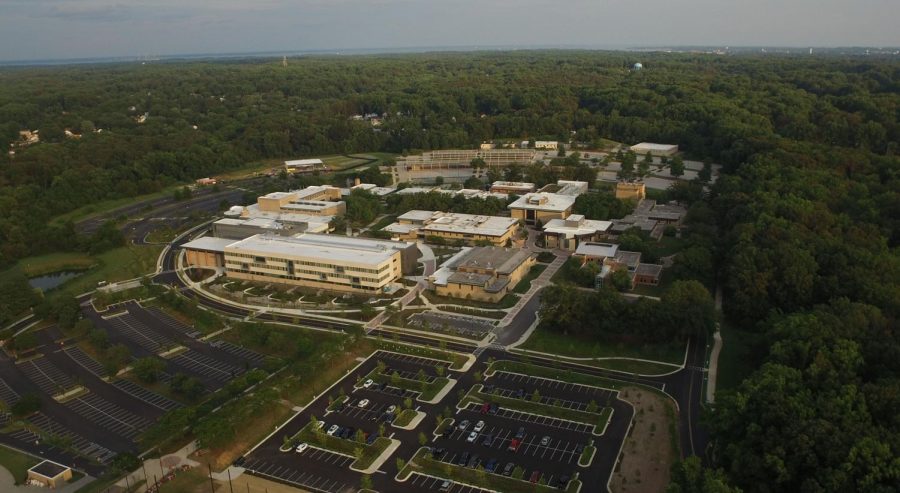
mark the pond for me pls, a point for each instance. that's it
(52, 280)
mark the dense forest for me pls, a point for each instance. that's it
(800, 230)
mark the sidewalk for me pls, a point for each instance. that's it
(541, 281)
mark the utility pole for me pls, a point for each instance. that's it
(230, 486)
(212, 487)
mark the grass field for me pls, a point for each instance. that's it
(523, 285)
(55, 262)
(551, 342)
(16, 463)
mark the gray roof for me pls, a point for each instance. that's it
(653, 270)
(49, 469)
(502, 260)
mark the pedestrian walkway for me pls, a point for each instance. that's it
(540, 282)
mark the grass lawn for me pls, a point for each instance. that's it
(561, 375)
(668, 245)
(55, 262)
(427, 390)
(507, 301)
(738, 358)
(523, 285)
(550, 342)
(16, 463)
(405, 417)
(665, 280)
(118, 264)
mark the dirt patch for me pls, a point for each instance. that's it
(650, 448)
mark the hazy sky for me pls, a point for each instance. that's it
(38, 29)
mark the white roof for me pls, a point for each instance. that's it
(597, 249)
(447, 269)
(303, 162)
(286, 217)
(585, 227)
(412, 190)
(650, 146)
(208, 244)
(332, 248)
(554, 202)
(417, 215)
(512, 184)
(456, 223)
(400, 228)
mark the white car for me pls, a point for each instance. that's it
(332, 430)
(320, 424)
(545, 441)
(391, 409)
(363, 403)
(302, 447)
(472, 437)
(368, 383)
(479, 426)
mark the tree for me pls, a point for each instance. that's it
(626, 172)
(705, 174)
(473, 182)
(620, 280)
(148, 369)
(561, 152)
(27, 405)
(536, 396)
(408, 403)
(676, 167)
(365, 482)
(439, 180)
(689, 476)
(439, 370)
(395, 379)
(423, 439)
(690, 303)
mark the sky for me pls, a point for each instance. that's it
(61, 29)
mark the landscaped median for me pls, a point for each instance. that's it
(365, 455)
(557, 374)
(458, 361)
(598, 417)
(408, 419)
(429, 392)
(479, 478)
(587, 455)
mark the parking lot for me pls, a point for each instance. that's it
(500, 436)
(109, 416)
(430, 483)
(297, 477)
(568, 393)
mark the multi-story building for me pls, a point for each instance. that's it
(454, 165)
(451, 227)
(330, 262)
(322, 200)
(541, 207)
(655, 149)
(482, 273)
(628, 190)
(568, 233)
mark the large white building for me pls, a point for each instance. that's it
(304, 165)
(454, 228)
(655, 149)
(330, 262)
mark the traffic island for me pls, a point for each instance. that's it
(408, 419)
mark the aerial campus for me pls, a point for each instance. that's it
(253, 291)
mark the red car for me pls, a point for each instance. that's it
(485, 407)
(513, 445)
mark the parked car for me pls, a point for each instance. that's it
(513, 445)
(488, 440)
(485, 407)
(535, 477)
(320, 424)
(438, 453)
(472, 437)
(391, 408)
(368, 383)
(520, 393)
(447, 431)
(463, 425)
(301, 447)
(579, 448)
(491, 465)
(507, 471)
(479, 426)
(473, 462)
(521, 433)
(493, 409)
(463, 459)
(363, 403)
(332, 430)
(371, 438)
(445, 486)
(545, 441)
(563, 481)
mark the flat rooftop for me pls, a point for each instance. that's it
(208, 244)
(502, 260)
(451, 222)
(581, 227)
(544, 202)
(316, 246)
(598, 250)
(303, 162)
(652, 146)
(49, 469)
(513, 184)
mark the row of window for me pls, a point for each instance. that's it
(266, 260)
(309, 274)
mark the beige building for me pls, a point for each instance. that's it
(451, 227)
(512, 187)
(655, 149)
(541, 207)
(454, 165)
(49, 474)
(631, 190)
(334, 263)
(482, 273)
(549, 145)
(570, 232)
(322, 200)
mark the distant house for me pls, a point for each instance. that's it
(485, 146)
(547, 145)
(206, 181)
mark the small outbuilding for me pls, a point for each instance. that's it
(49, 474)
